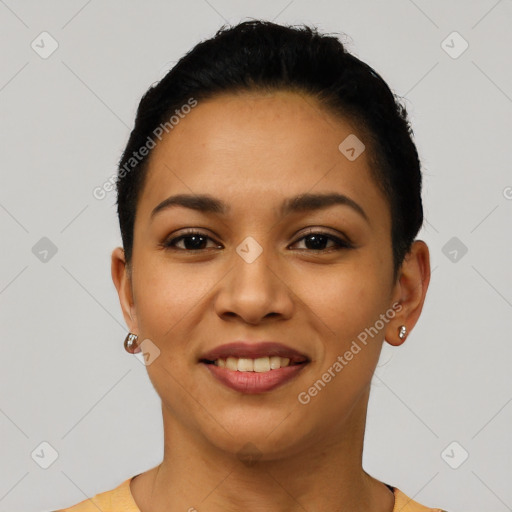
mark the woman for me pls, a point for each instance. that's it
(269, 198)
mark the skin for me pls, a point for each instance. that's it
(252, 151)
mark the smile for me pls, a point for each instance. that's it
(259, 365)
(254, 367)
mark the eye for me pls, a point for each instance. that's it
(317, 240)
(194, 241)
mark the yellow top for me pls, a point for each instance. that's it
(120, 499)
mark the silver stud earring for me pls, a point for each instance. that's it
(402, 332)
(130, 343)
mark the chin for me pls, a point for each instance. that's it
(260, 437)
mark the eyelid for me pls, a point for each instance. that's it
(342, 242)
(321, 230)
(187, 232)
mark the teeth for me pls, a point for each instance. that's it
(231, 363)
(275, 362)
(262, 364)
(259, 365)
(245, 365)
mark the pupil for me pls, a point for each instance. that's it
(194, 242)
(318, 241)
(314, 242)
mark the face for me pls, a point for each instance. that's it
(312, 277)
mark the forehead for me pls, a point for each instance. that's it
(260, 148)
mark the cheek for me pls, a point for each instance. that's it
(348, 304)
(166, 293)
(346, 298)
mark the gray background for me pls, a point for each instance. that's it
(65, 377)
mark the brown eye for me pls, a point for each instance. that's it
(316, 241)
(192, 241)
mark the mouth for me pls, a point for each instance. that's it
(254, 367)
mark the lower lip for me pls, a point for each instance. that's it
(254, 382)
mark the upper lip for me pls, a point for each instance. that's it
(253, 350)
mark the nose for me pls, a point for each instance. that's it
(253, 290)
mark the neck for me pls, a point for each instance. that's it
(324, 474)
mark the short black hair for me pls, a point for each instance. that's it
(259, 55)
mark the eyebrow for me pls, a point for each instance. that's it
(304, 202)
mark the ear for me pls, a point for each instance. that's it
(121, 276)
(410, 291)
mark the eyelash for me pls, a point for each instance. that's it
(341, 244)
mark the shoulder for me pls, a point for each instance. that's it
(119, 498)
(405, 504)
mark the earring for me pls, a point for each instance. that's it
(402, 332)
(130, 343)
